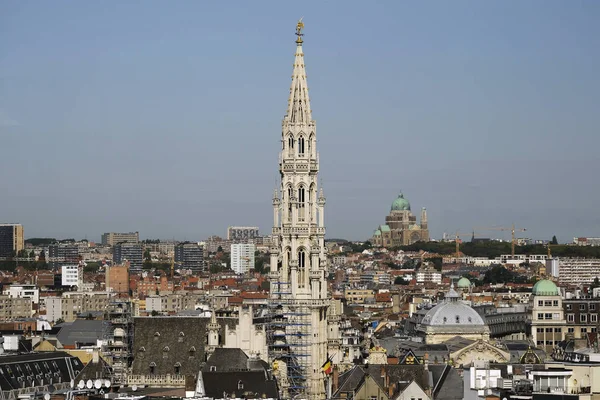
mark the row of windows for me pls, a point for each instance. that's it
(557, 330)
(592, 307)
(547, 316)
(548, 303)
(583, 318)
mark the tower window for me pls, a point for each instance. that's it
(301, 146)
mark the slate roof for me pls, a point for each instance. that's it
(443, 380)
(223, 360)
(245, 384)
(166, 342)
(36, 369)
(80, 332)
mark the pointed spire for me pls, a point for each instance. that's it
(298, 103)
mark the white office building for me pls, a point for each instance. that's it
(242, 257)
(70, 275)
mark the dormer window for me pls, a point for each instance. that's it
(240, 385)
(152, 368)
(457, 319)
(181, 336)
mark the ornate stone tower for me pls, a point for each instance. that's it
(299, 298)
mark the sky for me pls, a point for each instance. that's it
(165, 117)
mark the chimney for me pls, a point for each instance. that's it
(95, 357)
(426, 361)
(335, 379)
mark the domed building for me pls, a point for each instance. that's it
(450, 318)
(401, 228)
(548, 324)
(463, 284)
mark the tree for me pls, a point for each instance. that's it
(32, 254)
(154, 313)
(59, 321)
(554, 240)
(147, 255)
(400, 281)
(220, 249)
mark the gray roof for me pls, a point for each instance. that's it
(80, 331)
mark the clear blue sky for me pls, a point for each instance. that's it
(165, 117)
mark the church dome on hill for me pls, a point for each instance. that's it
(463, 283)
(545, 287)
(400, 204)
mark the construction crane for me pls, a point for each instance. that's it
(512, 230)
(457, 240)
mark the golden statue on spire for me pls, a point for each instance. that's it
(299, 27)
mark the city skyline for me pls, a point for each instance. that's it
(142, 117)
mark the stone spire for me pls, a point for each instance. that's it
(298, 103)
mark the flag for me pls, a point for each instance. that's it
(327, 366)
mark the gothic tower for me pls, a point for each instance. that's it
(298, 296)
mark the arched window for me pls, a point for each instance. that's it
(289, 198)
(152, 368)
(457, 319)
(301, 203)
(177, 368)
(301, 146)
(301, 268)
(290, 142)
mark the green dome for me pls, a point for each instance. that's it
(463, 283)
(545, 288)
(400, 204)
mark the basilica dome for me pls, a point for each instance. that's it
(545, 287)
(452, 311)
(400, 204)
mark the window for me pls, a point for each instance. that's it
(548, 303)
(582, 307)
(177, 368)
(555, 303)
(540, 342)
(457, 319)
(240, 385)
(570, 330)
(301, 146)
(593, 317)
(570, 317)
(213, 368)
(547, 316)
(592, 307)
(548, 329)
(583, 330)
(540, 303)
(569, 307)
(540, 330)
(558, 330)
(540, 316)
(583, 317)
(152, 368)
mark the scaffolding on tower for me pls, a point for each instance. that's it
(118, 339)
(288, 327)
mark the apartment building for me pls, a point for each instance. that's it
(578, 271)
(14, 307)
(128, 252)
(72, 304)
(12, 239)
(62, 253)
(242, 257)
(190, 256)
(112, 238)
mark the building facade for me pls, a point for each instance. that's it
(242, 257)
(298, 297)
(62, 253)
(241, 234)
(70, 275)
(12, 239)
(128, 252)
(578, 271)
(112, 238)
(190, 256)
(117, 279)
(401, 228)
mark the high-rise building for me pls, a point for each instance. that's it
(242, 257)
(112, 238)
(117, 279)
(128, 252)
(62, 253)
(71, 275)
(190, 256)
(298, 299)
(12, 239)
(239, 234)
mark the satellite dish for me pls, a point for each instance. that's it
(134, 388)
(97, 383)
(107, 383)
(47, 396)
(81, 384)
(89, 384)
